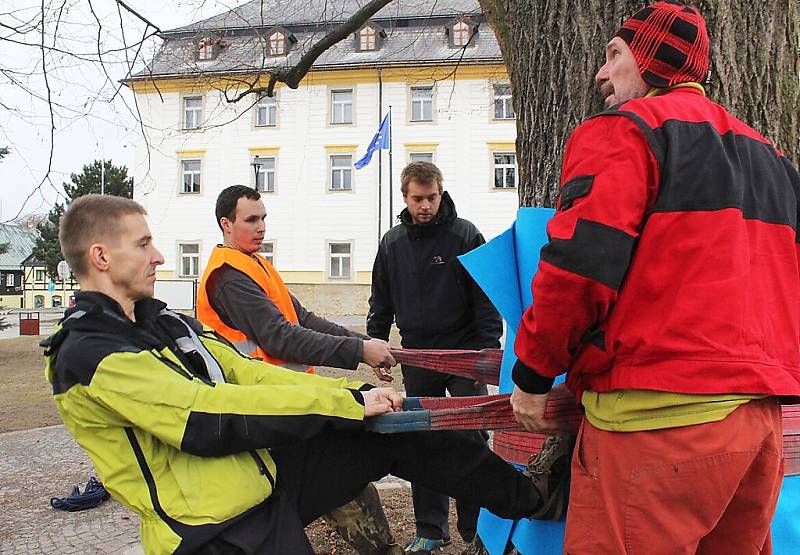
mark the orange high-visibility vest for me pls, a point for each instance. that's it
(260, 271)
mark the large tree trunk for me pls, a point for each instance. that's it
(553, 48)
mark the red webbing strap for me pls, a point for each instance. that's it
(493, 412)
(791, 440)
(483, 366)
(517, 447)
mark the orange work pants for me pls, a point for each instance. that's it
(709, 488)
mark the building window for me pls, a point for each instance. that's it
(265, 178)
(277, 44)
(342, 106)
(505, 170)
(56, 301)
(267, 250)
(9, 280)
(367, 38)
(191, 176)
(38, 301)
(205, 49)
(503, 107)
(340, 260)
(421, 157)
(422, 104)
(461, 34)
(192, 112)
(341, 172)
(266, 112)
(39, 275)
(189, 255)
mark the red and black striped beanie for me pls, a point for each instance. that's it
(669, 42)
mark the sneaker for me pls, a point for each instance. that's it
(549, 470)
(425, 546)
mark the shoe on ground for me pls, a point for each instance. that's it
(549, 470)
(425, 546)
(475, 547)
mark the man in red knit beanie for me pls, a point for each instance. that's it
(668, 292)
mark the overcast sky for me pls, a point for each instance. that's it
(91, 121)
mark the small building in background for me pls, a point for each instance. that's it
(20, 242)
(42, 292)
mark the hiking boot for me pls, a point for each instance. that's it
(363, 525)
(475, 547)
(549, 470)
(425, 546)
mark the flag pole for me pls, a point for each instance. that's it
(380, 157)
(391, 189)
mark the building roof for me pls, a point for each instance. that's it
(269, 13)
(20, 241)
(415, 35)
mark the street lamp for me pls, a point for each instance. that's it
(256, 163)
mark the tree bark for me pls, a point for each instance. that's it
(553, 48)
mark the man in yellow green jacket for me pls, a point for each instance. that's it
(210, 447)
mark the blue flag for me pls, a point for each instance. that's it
(380, 140)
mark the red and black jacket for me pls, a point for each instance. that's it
(672, 263)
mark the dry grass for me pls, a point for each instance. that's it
(25, 396)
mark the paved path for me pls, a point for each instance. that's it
(42, 463)
(38, 464)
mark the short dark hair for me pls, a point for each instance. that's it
(227, 199)
(423, 173)
(91, 219)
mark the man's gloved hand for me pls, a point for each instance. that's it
(377, 354)
(381, 400)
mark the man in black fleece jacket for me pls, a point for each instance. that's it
(418, 282)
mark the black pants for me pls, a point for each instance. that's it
(431, 508)
(326, 472)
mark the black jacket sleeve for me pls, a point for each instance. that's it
(242, 304)
(381, 310)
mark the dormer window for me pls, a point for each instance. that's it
(277, 44)
(461, 34)
(366, 38)
(208, 48)
(205, 50)
(461, 31)
(279, 41)
(369, 37)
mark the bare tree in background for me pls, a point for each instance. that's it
(68, 57)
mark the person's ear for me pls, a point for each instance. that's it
(98, 257)
(226, 225)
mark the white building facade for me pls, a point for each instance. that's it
(324, 217)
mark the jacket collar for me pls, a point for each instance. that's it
(446, 216)
(94, 302)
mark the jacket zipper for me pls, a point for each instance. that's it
(263, 468)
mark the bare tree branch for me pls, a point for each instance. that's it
(137, 14)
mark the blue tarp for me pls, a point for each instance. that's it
(504, 268)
